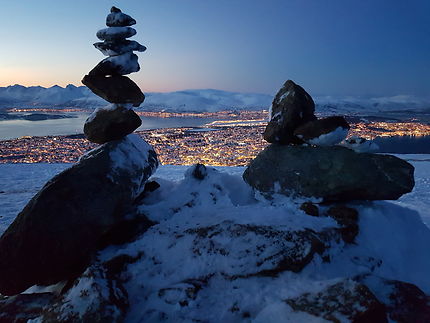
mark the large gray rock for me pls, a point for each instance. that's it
(57, 233)
(332, 173)
(291, 107)
(111, 123)
(115, 89)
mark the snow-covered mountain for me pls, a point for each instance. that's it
(205, 100)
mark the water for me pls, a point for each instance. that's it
(404, 144)
(10, 129)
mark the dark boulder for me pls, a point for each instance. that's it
(347, 218)
(56, 235)
(345, 300)
(115, 89)
(323, 132)
(332, 173)
(291, 107)
(111, 124)
(310, 209)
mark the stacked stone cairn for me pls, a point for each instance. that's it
(304, 159)
(57, 235)
(107, 80)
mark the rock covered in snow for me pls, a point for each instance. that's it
(360, 145)
(111, 123)
(116, 65)
(56, 235)
(106, 78)
(209, 257)
(346, 301)
(291, 107)
(331, 173)
(115, 33)
(115, 89)
(118, 19)
(323, 132)
(119, 47)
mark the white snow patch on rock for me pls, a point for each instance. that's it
(331, 138)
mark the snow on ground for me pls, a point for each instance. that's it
(20, 182)
(183, 258)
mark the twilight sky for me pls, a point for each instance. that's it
(330, 47)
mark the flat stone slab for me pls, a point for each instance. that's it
(332, 173)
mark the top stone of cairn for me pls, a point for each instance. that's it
(118, 19)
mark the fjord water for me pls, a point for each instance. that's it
(73, 123)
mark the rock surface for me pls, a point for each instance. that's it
(115, 33)
(345, 300)
(291, 107)
(115, 89)
(116, 65)
(119, 47)
(105, 125)
(323, 132)
(55, 236)
(118, 19)
(331, 173)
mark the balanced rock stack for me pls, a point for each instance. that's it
(56, 236)
(107, 80)
(292, 120)
(303, 159)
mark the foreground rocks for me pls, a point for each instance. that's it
(330, 173)
(56, 235)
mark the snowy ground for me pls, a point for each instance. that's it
(19, 182)
(199, 262)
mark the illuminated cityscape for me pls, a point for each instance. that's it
(233, 141)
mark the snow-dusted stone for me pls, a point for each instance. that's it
(291, 107)
(119, 47)
(24, 307)
(57, 233)
(115, 33)
(115, 89)
(332, 173)
(360, 145)
(118, 19)
(404, 302)
(323, 132)
(111, 123)
(346, 301)
(117, 65)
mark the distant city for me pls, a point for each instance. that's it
(234, 141)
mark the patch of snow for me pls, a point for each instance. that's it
(360, 145)
(331, 138)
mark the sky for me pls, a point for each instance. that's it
(330, 47)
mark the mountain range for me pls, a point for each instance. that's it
(205, 100)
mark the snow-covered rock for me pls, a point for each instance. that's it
(323, 132)
(118, 19)
(115, 33)
(117, 65)
(61, 227)
(211, 225)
